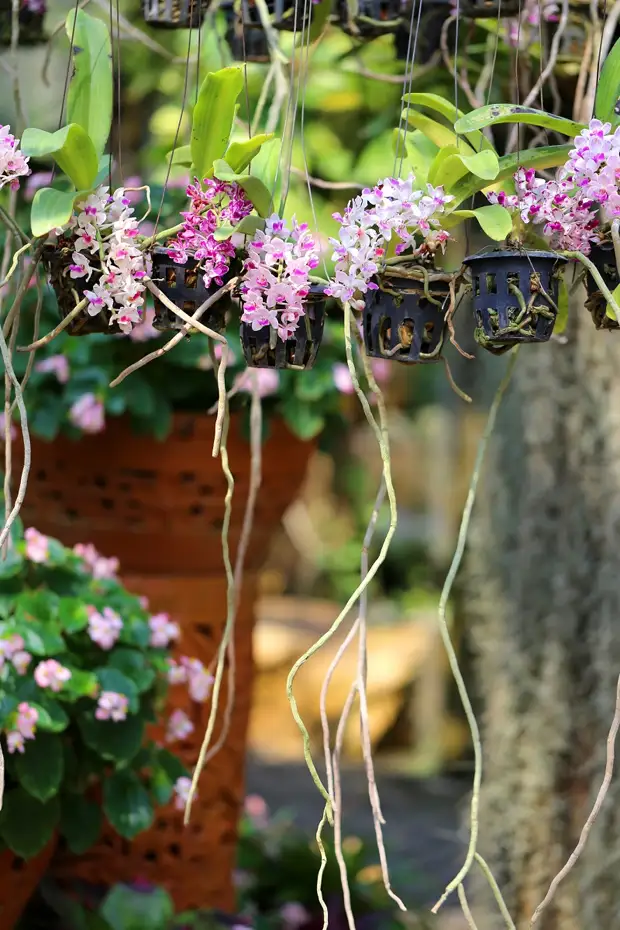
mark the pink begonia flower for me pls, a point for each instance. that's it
(112, 706)
(15, 741)
(12, 430)
(21, 660)
(27, 718)
(9, 647)
(181, 790)
(205, 362)
(104, 628)
(87, 413)
(145, 330)
(342, 378)
(97, 564)
(37, 545)
(294, 915)
(163, 630)
(144, 602)
(266, 379)
(13, 164)
(177, 673)
(51, 674)
(256, 809)
(179, 726)
(199, 680)
(57, 365)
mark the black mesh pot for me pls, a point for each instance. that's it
(374, 18)
(433, 16)
(489, 9)
(401, 324)
(262, 349)
(31, 22)
(245, 34)
(69, 292)
(184, 286)
(174, 14)
(604, 258)
(515, 296)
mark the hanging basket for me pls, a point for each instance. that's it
(263, 348)
(184, 286)
(402, 324)
(433, 16)
(174, 14)
(489, 9)
(604, 258)
(69, 292)
(515, 296)
(31, 22)
(245, 34)
(374, 18)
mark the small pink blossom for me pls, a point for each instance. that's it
(179, 726)
(163, 630)
(57, 365)
(13, 164)
(342, 378)
(177, 672)
(97, 564)
(15, 741)
(12, 428)
(27, 718)
(145, 330)
(294, 915)
(37, 545)
(181, 789)
(267, 381)
(87, 414)
(104, 628)
(256, 809)
(9, 647)
(51, 674)
(199, 680)
(112, 706)
(21, 660)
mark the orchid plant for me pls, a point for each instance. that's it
(84, 668)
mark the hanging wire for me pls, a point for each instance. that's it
(65, 89)
(114, 73)
(409, 63)
(288, 132)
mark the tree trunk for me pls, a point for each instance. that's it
(542, 585)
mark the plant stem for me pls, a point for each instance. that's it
(580, 257)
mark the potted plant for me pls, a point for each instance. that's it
(84, 671)
(31, 20)
(174, 14)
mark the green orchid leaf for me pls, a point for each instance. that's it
(494, 220)
(449, 166)
(52, 209)
(181, 156)
(240, 154)
(420, 152)
(213, 118)
(247, 226)
(254, 188)
(484, 165)
(320, 17)
(547, 156)
(562, 317)
(498, 113)
(435, 102)
(609, 310)
(89, 100)
(71, 148)
(438, 133)
(607, 101)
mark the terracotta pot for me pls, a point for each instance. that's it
(19, 879)
(159, 506)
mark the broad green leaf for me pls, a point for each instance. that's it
(248, 226)
(420, 152)
(320, 13)
(253, 186)
(483, 164)
(562, 317)
(126, 909)
(127, 804)
(607, 101)
(112, 679)
(51, 714)
(498, 113)
(438, 133)
(435, 102)
(181, 156)
(41, 766)
(495, 221)
(119, 742)
(72, 614)
(51, 209)
(26, 824)
(547, 156)
(213, 118)
(134, 665)
(609, 310)
(240, 154)
(89, 100)
(80, 822)
(71, 148)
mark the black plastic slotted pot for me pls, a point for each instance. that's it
(174, 14)
(489, 9)
(262, 350)
(31, 24)
(245, 34)
(428, 41)
(401, 324)
(603, 258)
(57, 259)
(496, 277)
(374, 18)
(183, 285)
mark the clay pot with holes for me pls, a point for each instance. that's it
(374, 18)
(604, 259)
(184, 286)
(31, 22)
(263, 348)
(69, 291)
(174, 14)
(515, 296)
(400, 323)
(19, 879)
